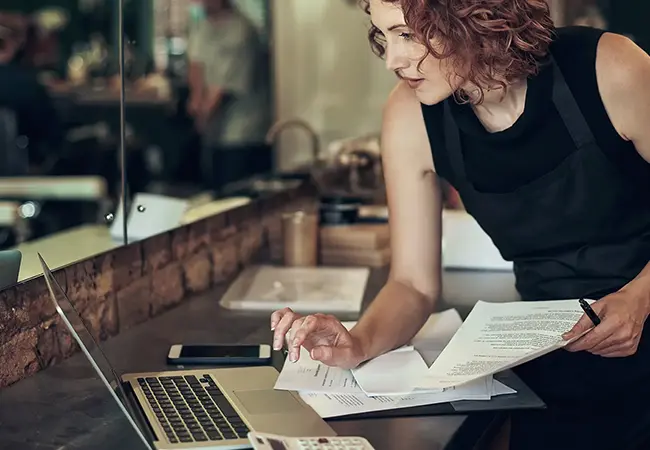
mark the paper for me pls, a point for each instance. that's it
(395, 373)
(390, 379)
(337, 405)
(436, 333)
(498, 336)
(314, 376)
(305, 289)
(398, 373)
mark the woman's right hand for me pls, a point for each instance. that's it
(324, 336)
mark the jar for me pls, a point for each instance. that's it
(300, 239)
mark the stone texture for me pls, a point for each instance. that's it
(180, 243)
(157, 252)
(167, 288)
(214, 226)
(223, 234)
(102, 318)
(251, 242)
(125, 263)
(198, 237)
(54, 344)
(82, 281)
(18, 357)
(134, 303)
(225, 261)
(32, 304)
(11, 320)
(198, 272)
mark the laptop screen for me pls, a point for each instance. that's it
(89, 347)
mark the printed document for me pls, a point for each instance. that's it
(394, 373)
(307, 374)
(337, 405)
(498, 336)
(387, 382)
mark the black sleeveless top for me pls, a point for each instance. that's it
(563, 197)
(538, 141)
(534, 147)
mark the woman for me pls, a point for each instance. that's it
(545, 135)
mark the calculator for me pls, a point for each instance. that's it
(262, 441)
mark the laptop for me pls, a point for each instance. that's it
(194, 409)
(9, 267)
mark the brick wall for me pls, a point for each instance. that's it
(126, 286)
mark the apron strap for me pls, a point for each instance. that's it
(569, 110)
(453, 144)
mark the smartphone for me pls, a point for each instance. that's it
(219, 354)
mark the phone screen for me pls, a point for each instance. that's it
(220, 351)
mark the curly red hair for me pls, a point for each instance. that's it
(488, 42)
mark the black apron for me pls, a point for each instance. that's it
(581, 230)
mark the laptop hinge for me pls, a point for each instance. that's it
(134, 406)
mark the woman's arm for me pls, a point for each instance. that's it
(415, 208)
(623, 73)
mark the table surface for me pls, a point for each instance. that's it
(67, 407)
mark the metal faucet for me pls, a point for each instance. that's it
(282, 125)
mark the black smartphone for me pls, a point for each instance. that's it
(215, 354)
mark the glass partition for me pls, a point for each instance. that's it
(60, 176)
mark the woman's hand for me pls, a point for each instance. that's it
(324, 336)
(622, 315)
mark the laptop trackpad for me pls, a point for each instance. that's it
(267, 401)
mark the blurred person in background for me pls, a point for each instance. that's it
(544, 133)
(38, 131)
(228, 88)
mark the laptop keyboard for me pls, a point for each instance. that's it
(192, 409)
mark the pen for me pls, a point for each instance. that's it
(589, 312)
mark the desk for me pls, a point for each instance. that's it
(66, 406)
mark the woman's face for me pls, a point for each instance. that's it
(403, 54)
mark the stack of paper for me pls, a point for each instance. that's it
(498, 336)
(387, 382)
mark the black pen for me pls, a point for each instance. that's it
(589, 312)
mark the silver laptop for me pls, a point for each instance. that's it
(194, 409)
(9, 267)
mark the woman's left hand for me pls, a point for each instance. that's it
(622, 316)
